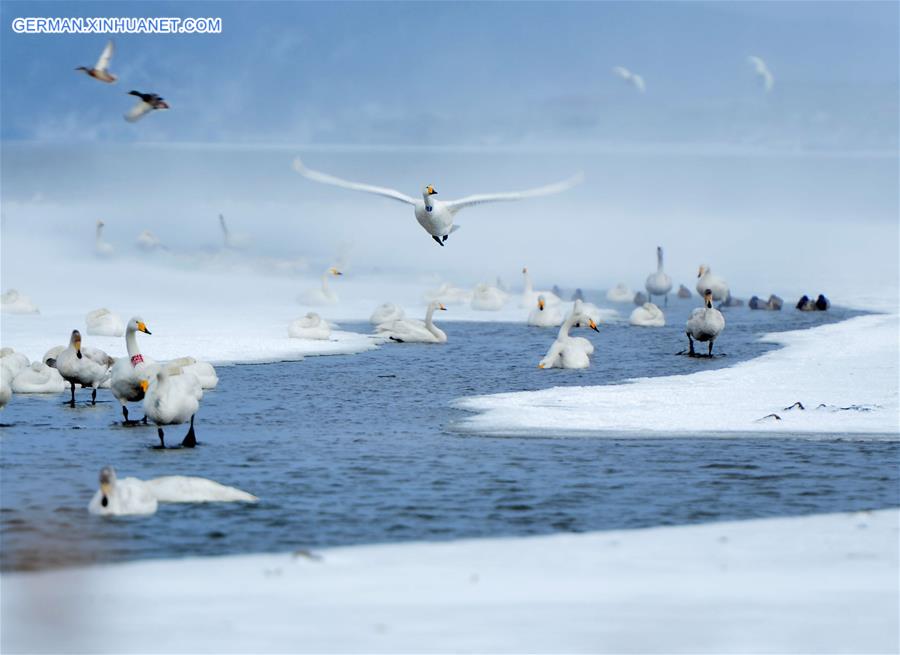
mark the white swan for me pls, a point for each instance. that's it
(647, 315)
(545, 316)
(530, 296)
(658, 284)
(632, 78)
(323, 295)
(88, 367)
(128, 372)
(5, 387)
(409, 330)
(102, 248)
(486, 298)
(13, 302)
(435, 216)
(204, 371)
(683, 291)
(566, 351)
(706, 279)
(762, 70)
(172, 400)
(104, 323)
(131, 496)
(38, 378)
(620, 293)
(585, 313)
(311, 326)
(12, 361)
(148, 242)
(386, 313)
(705, 324)
(232, 241)
(449, 295)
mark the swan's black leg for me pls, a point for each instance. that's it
(691, 344)
(190, 439)
(72, 402)
(127, 421)
(666, 300)
(162, 440)
(710, 348)
(438, 240)
(144, 420)
(445, 237)
(94, 396)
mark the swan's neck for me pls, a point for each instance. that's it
(659, 260)
(99, 233)
(566, 326)
(429, 316)
(325, 283)
(429, 203)
(131, 343)
(529, 287)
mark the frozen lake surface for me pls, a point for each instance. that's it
(361, 449)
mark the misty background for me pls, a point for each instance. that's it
(791, 189)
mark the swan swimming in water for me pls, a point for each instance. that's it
(311, 326)
(487, 298)
(435, 216)
(88, 367)
(387, 312)
(683, 291)
(323, 295)
(567, 351)
(658, 284)
(545, 316)
(104, 323)
(620, 293)
(412, 331)
(705, 324)
(13, 302)
(102, 248)
(530, 296)
(131, 496)
(172, 400)
(38, 378)
(648, 315)
(706, 279)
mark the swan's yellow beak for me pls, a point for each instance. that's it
(541, 305)
(334, 271)
(593, 325)
(541, 365)
(105, 488)
(143, 327)
(442, 308)
(700, 272)
(430, 190)
(144, 385)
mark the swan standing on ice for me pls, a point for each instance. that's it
(545, 316)
(323, 295)
(706, 279)
(100, 70)
(486, 298)
(311, 326)
(103, 323)
(647, 315)
(38, 378)
(172, 400)
(128, 372)
(658, 284)
(386, 313)
(705, 324)
(130, 496)
(102, 248)
(412, 331)
(530, 296)
(88, 367)
(620, 293)
(435, 216)
(147, 102)
(13, 302)
(570, 352)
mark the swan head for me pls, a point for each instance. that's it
(145, 384)
(541, 302)
(75, 342)
(708, 297)
(524, 269)
(428, 190)
(703, 270)
(592, 324)
(137, 324)
(334, 271)
(107, 482)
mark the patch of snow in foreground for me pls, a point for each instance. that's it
(825, 583)
(850, 367)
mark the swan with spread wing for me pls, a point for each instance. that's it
(435, 216)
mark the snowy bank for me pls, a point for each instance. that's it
(825, 583)
(844, 374)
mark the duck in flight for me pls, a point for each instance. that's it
(99, 71)
(435, 216)
(147, 103)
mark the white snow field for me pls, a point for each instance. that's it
(844, 374)
(814, 584)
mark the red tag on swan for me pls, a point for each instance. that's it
(137, 359)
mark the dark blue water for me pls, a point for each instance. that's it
(355, 449)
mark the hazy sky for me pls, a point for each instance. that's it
(795, 184)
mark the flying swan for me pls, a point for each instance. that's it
(435, 216)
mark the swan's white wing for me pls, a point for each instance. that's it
(356, 186)
(138, 111)
(455, 205)
(638, 82)
(622, 72)
(105, 56)
(183, 489)
(763, 71)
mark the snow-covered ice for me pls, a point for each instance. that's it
(823, 584)
(850, 367)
